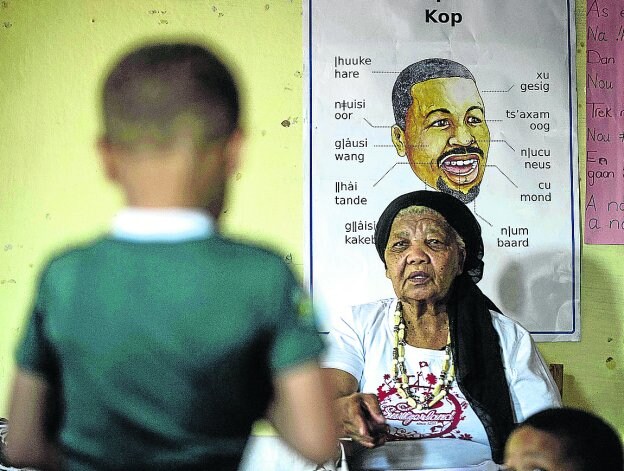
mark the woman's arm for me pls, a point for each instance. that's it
(28, 444)
(358, 415)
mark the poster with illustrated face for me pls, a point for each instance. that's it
(474, 99)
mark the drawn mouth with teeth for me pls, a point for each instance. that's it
(460, 169)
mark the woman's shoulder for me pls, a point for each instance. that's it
(507, 328)
(380, 306)
(368, 314)
(374, 309)
(514, 339)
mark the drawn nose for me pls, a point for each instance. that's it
(462, 136)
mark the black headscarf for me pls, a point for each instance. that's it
(474, 341)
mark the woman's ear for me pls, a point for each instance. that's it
(461, 260)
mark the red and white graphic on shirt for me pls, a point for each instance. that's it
(441, 421)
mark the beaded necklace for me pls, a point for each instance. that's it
(418, 400)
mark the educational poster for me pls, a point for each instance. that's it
(604, 207)
(505, 143)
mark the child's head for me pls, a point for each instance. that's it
(170, 111)
(563, 439)
(158, 91)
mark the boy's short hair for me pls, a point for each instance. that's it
(588, 442)
(158, 91)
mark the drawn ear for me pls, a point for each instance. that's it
(398, 139)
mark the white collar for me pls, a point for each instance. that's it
(162, 224)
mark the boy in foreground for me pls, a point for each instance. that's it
(158, 346)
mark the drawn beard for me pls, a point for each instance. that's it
(461, 196)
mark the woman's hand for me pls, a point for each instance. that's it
(361, 419)
(358, 415)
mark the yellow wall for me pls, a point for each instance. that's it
(594, 367)
(52, 192)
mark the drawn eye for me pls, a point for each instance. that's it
(440, 123)
(473, 120)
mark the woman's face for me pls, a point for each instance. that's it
(422, 257)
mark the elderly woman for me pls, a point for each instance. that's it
(436, 378)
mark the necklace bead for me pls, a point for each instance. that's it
(418, 400)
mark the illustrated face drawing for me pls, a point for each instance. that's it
(445, 136)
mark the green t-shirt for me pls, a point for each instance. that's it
(163, 354)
